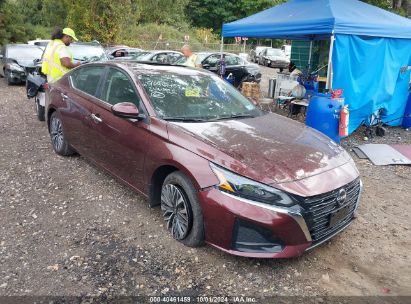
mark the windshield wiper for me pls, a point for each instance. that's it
(235, 116)
(186, 119)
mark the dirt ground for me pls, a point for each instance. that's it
(67, 228)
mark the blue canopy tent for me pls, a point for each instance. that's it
(368, 47)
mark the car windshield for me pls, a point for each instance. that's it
(195, 98)
(142, 56)
(26, 52)
(87, 52)
(275, 52)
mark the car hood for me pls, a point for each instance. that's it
(271, 149)
(26, 63)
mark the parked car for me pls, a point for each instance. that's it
(17, 60)
(88, 51)
(122, 52)
(42, 43)
(274, 58)
(241, 69)
(37, 85)
(255, 52)
(223, 172)
(167, 57)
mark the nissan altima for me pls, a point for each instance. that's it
(222, 171)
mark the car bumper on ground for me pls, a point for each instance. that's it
(252, 229)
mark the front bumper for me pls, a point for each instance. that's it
(279, 64)
(17, 76)
(247, 228)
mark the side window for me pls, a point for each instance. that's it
(173, 57)
(212, 61)
(87, 79)
(119, 88)
(161, 58)
(232, 60)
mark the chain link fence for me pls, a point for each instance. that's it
(197, 47)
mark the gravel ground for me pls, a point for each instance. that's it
(69, 229)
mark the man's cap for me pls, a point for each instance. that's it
(69, 32)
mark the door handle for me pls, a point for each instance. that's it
(95, 118)
(64, 96)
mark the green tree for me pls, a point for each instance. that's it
(213, 13)
(98, 19)
(170, 12)
(12, 26)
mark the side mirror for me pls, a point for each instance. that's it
(206, 66)
(1, 56)
(127, 110)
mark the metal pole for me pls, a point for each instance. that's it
(310, 54)
(329, 83)
(222, 47)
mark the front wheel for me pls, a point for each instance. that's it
(39, 109)
(8, 78)
(181, 210)
(58, 140)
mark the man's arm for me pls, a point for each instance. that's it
(66, 62)
(65, 59)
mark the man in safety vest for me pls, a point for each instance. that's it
(57, 58)
(191, 58)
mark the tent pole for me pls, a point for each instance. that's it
(310, 54)
(329, 83)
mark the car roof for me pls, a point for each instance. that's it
(145, 68)
(162, 51)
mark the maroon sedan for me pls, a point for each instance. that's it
(223, 172)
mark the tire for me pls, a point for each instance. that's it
(178, 187)
(58, 141)
(9, 80)
(40, 110)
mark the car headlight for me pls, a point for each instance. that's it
(246, 188)
(16, 67)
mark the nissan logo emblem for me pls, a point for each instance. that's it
(341, 196)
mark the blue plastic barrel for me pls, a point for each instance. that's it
(323, 114)
(406, 122)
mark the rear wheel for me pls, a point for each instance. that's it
(181, 210)
(39, 109)
(58, 140)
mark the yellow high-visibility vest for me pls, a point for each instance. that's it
(51, 65)
(191, 61)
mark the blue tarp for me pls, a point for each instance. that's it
(371, 45)
(316, 19)
(368, 69)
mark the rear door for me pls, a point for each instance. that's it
(235, 66)
(78, 104)
(120, 144)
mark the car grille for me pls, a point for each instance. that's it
(318, 211)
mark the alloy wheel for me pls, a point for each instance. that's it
(56, 132)
(176, 212)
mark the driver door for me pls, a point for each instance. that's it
(121, 143)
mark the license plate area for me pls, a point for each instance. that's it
(337, 216)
